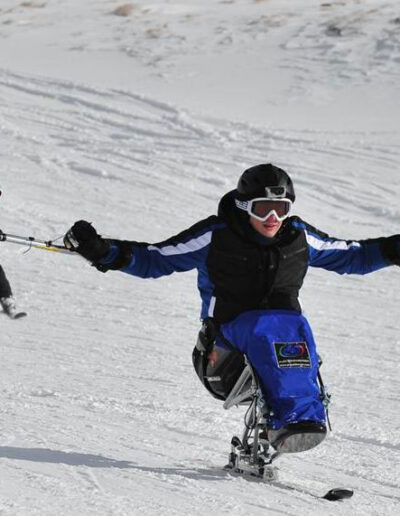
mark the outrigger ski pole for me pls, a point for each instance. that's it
(34, 242)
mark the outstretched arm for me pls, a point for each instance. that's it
(182, 252)
(349, 257)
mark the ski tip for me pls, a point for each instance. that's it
(15, 316)
(339, 493)
(19, 315)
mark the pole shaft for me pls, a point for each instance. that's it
(34, 242)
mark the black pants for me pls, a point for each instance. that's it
(5, 288)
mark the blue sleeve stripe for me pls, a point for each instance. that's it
(112, 254)
(195, 244)
(298, 225)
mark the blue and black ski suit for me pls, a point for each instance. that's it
(250, 286)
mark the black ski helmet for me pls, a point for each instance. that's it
(254, 180)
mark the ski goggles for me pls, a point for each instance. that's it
(262, 208)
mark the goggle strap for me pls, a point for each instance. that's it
(241, 204)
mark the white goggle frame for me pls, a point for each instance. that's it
(248, 205)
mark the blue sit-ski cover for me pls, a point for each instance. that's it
(281, 347)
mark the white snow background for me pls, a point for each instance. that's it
(139, 120)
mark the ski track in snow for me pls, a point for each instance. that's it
(269, 61)
(353, 41)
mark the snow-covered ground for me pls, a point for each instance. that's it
(140, 123)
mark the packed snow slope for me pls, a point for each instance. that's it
(280, 63)
(101, 412)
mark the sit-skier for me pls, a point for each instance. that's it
(251, 260)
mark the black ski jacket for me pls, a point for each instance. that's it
(240, 270)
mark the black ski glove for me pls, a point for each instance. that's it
(391, 249)
(83, 239)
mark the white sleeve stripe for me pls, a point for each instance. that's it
(323, 245)
(188, 247)
(211, 307)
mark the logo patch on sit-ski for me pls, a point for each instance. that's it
(292, 354)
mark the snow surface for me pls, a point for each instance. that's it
(140, 123)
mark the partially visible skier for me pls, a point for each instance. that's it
(251, 260)
(7, 300)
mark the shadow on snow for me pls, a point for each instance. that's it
(98, 461)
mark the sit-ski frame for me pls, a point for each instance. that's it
(251, 454)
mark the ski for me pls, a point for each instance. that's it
(338, 493)
(333, 495)
(18, 315)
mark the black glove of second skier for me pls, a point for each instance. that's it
(83, 239)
